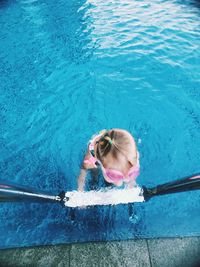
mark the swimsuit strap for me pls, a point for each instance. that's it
(91, 144)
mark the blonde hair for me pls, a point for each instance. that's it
(115, 143)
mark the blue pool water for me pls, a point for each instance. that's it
(71, 68)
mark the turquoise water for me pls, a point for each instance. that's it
(71, 68)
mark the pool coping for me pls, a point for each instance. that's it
(165, 252)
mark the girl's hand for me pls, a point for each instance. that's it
(131, 184)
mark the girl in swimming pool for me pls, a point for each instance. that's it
(116, 153)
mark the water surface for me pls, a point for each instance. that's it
(71, 68)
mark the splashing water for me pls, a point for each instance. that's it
(104, 197)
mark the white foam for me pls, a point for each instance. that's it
(104, 197)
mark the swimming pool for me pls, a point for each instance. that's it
(71, 68)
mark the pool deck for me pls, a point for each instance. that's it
(161, 252)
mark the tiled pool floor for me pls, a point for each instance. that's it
(168, 252)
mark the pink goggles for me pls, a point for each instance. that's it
(117, 176)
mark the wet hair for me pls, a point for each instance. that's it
(114, 143)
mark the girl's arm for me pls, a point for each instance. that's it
(88, 163)
(81, 179)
